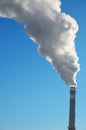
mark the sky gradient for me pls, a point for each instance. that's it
(32, 95)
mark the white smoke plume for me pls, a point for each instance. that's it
(53, 31)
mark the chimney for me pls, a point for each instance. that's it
(72, 109)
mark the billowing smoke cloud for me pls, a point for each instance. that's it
(53, 31)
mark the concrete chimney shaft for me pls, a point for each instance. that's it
(72, 109)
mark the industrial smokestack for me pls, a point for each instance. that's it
(72, 109)
(54, 32)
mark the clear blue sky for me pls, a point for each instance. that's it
(32, 95)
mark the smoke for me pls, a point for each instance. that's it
(53, 31)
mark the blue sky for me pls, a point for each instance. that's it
(32, 95)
